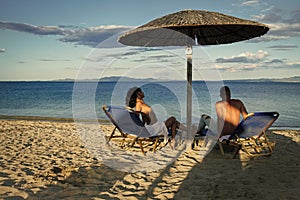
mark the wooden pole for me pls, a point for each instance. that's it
(189, 52)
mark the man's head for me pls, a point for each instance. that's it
(225, 93)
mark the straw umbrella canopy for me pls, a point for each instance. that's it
(189, 28)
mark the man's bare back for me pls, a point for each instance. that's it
(228, 112)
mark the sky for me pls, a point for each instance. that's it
(50, 40)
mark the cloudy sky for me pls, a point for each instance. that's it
(46, 40)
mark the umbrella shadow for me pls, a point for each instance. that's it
(216, 177)
(273, 177)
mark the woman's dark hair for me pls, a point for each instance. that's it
(131, 96)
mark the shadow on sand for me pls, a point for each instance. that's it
(216, 177)
(86, 183)
(274, 177)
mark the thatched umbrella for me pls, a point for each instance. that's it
(192, 27)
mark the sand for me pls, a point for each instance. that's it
(48, 160)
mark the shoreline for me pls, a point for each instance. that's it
(52, 119)
(48, 160)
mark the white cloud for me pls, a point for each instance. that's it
(264, 64)
(2, 50)
(279, 31)
(79, 36)
(287, 30)
(283, 24)
(237, 68)
(283, 47)
(250, 3)
(94, 35)
(246, 57)
(28, 28)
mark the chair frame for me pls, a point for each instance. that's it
(131, 136)
(257, 145)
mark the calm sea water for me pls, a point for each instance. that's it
(84, 99)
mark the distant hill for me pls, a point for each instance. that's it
(291, 79)
(295, 79)
(125, 79)
(109, 79)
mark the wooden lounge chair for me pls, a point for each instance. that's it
(130, 128)
(250, 135)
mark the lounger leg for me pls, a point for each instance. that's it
(112, 134)
(237, 151)
(141, 146)
(155, 144)
(134, 140)
(268, 143)
(221, 148)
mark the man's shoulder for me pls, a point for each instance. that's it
(232, 101)
(236, 100)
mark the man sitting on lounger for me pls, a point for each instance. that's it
(228, 112)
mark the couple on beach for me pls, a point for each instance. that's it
(228, 113)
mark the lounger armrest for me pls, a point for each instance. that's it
(249, 115)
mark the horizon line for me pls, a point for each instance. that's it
(129, 79)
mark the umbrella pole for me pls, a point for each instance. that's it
(189, 52)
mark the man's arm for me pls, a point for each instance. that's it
(243, 110)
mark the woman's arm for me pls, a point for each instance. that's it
(143, 108)
(146, 119)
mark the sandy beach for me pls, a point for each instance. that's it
(48, 160)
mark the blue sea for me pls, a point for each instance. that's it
(84, 100)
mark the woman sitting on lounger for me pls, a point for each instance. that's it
(135, 100)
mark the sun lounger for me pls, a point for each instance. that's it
(250, 135)
(129, 127)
